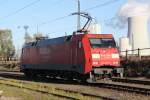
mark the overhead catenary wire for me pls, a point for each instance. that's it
(57, 2)
(21, 9)
(91, 8)
(59, 18)
(26, 6)
(63, 30)
(101, 5)
(53, 20)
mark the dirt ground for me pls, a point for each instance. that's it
(10, 98)
(103, 92)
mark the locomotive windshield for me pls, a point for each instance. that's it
(102, 43)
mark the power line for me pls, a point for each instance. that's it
(53, 20)
(19, 10)
(101, 5)
(63, 17)
(58, 1)
(56, 19)
(63, 30)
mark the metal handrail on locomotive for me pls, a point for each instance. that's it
(77, 56)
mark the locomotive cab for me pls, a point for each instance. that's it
(105, 56)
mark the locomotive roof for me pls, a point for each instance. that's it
(54, 41)
(62, 40)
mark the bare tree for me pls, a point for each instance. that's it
(6, 45)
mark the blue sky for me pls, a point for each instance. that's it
(47, 10)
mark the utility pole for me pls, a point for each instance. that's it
(78, 17)
(37, 29)
(26, 29)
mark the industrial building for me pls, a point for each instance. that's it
(137, 37)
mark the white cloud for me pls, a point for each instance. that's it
(131, 8)
(135, 8)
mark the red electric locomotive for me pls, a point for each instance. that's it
(78, 56)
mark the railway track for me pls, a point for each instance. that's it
(86, 94)
(53, 91)
(135, 81)
(127, 87)
(14, 84)
(123, 87)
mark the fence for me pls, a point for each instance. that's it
(6, 60)
(136, 54)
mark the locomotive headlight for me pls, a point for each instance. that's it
(116, 63)
(115, 55)
(96, 56)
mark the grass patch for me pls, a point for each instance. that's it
(25, 94)
(23, 87)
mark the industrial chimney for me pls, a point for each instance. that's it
(124, 45)
(94, 28)
(138, 34)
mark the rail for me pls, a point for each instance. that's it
(131, 88)
(122, 87)
(44, 88)
(129, 80)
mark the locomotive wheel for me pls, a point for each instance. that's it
(29, 74)
(84, 80)
(69, 78)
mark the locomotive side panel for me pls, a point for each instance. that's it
(78, 54)
(57, 58)
(33, 57)
(50, 55)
